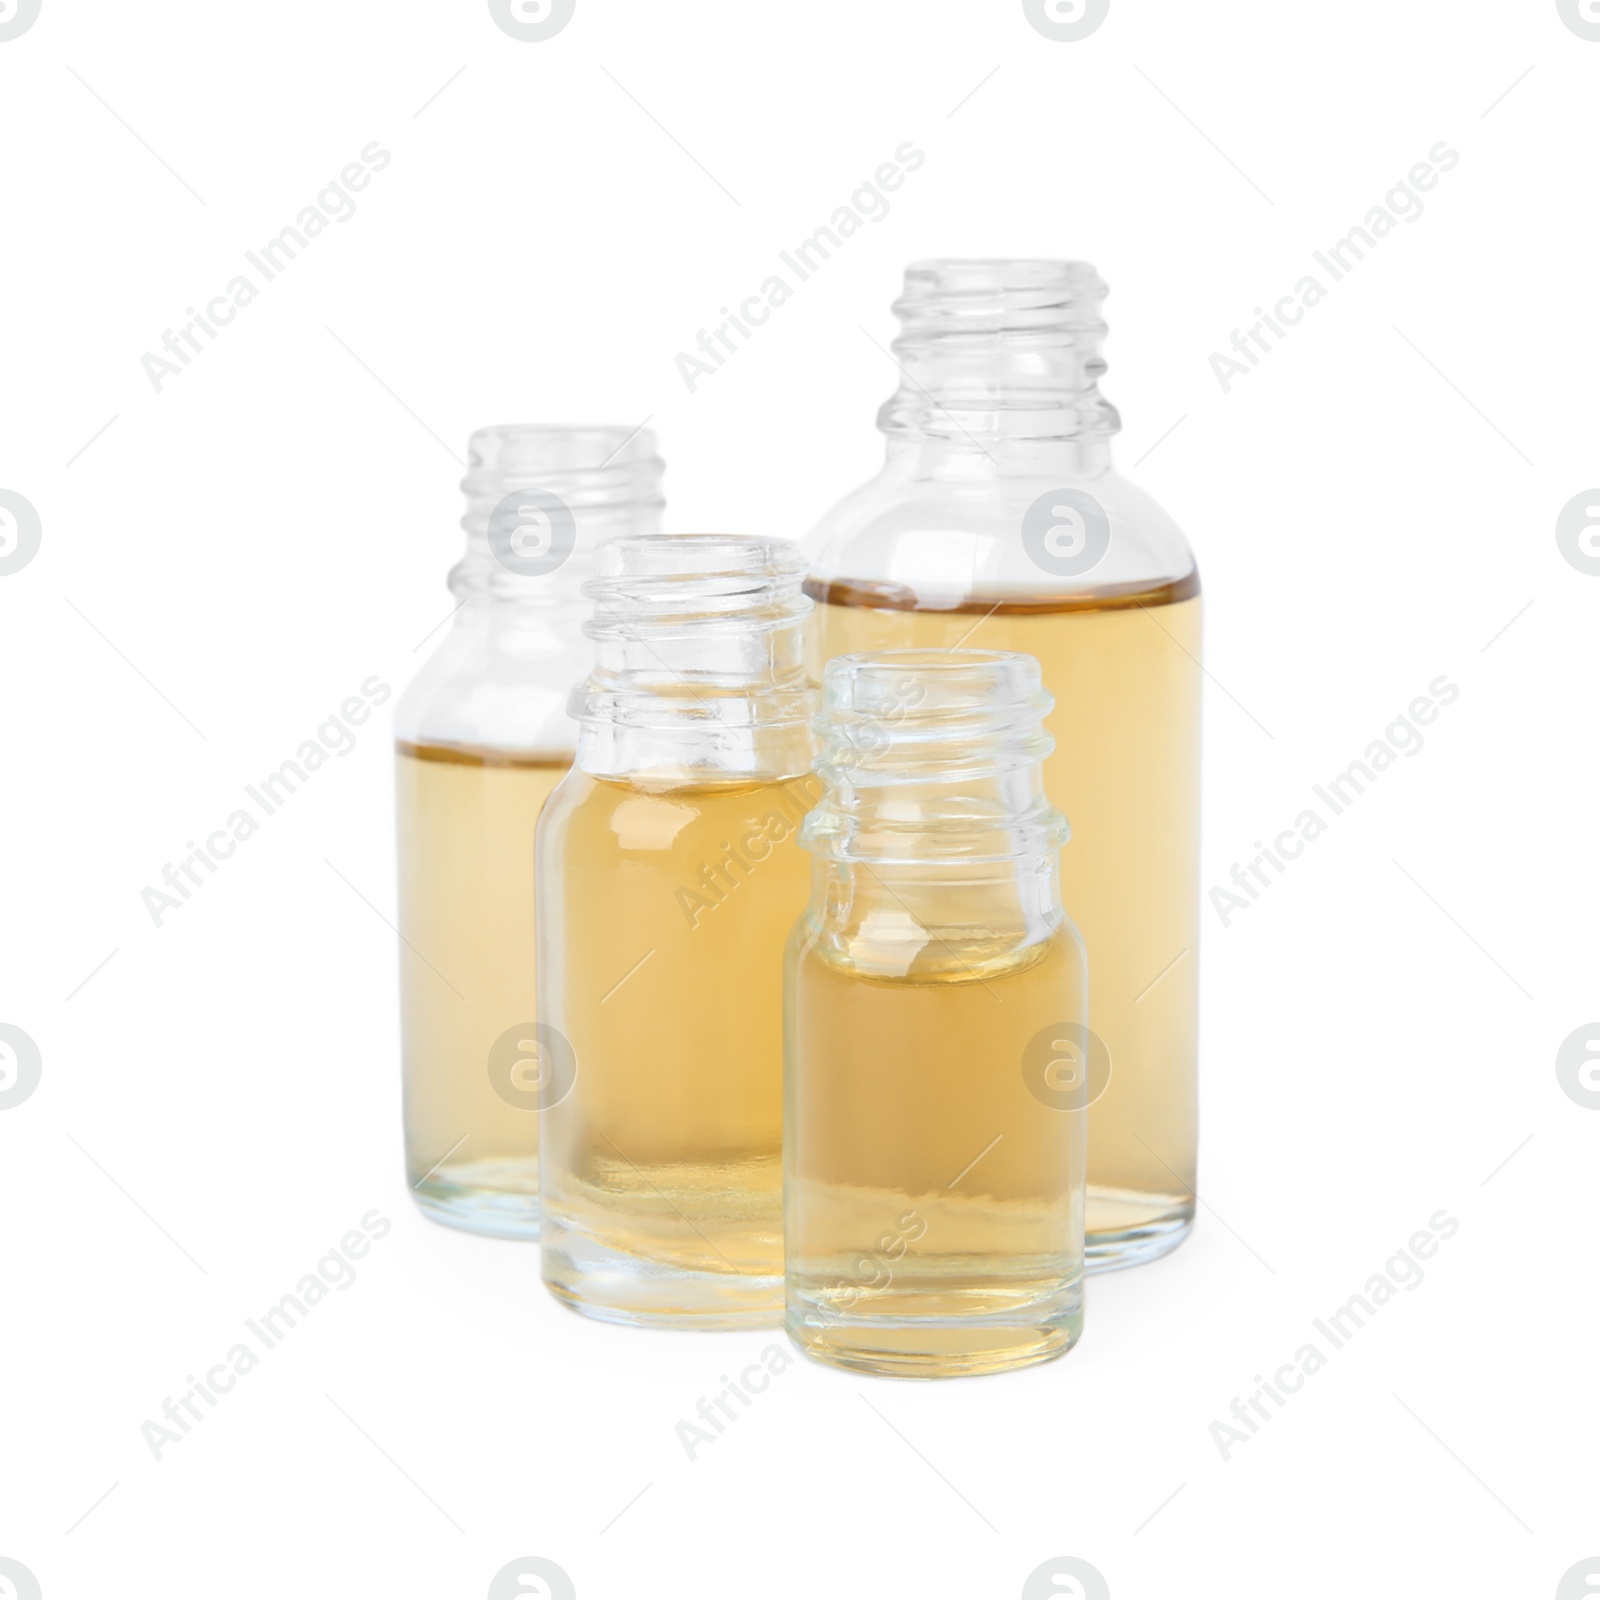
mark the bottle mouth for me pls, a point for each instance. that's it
(933, 755)
(669, 583)
(597, 469)
(976, 295)
(541, 449)
(540, 497)
(915, 716)
(703, 627)
(1008, 346)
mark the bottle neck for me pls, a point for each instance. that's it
(541, 501)
(936, 848)
(699, 673)
(1000, 364)
(934, 763)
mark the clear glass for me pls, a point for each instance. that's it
(936, 1064)
(998, 521)
(482, 736)
(669, 878)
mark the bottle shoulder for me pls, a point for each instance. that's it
(1008, 536)
(492, 685)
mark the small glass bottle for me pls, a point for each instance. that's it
(482, 736)
(998, 521)
(937, 1059)
(669, 878)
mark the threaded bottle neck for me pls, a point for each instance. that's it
(699, 659)
(1000, 351)
(933, 756)
(542, 500)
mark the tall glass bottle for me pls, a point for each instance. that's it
(669, 878)
(482, 737)
(999, 522)
(937, 1056)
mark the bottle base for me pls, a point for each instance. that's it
(497, 1199)
(596, 1280)
(938, 1347)
(1133, 1229)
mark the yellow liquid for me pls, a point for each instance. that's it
(1123, 666)
(934, 1204)
(465, 824)
(663, 923)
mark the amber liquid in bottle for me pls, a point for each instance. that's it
(674, 904)
(465, 821)
(1123, 665)
(926, 1181)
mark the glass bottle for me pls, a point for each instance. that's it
(937, 1055)
(669, 878)
(998, 521)
(482, 736)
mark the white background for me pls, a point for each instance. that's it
(1373, 506)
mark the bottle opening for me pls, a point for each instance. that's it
(698, 627)
(693, 580)
(541, 498)
(539, 450)
(933, 753)
(1008, 347)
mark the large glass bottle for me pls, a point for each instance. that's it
(936, 1061)
(482, 737)
(669, 878)
(999, 522)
